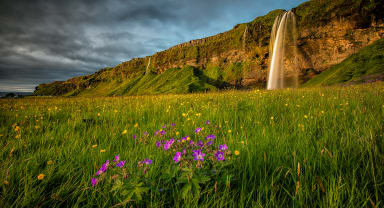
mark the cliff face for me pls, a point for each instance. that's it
(329, 31)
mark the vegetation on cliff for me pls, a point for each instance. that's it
(365, 66)
(236, 58)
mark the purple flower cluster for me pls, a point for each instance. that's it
(202, 151)
(223, 147)
(198, 155)
(146, 162)
(104, 167)
(168, 144)
(219, 155)
(211, 136)
(177, 157)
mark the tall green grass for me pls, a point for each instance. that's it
(320, 147)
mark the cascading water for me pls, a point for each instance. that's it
(149, 63)
(283, 47)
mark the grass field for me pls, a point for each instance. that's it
(310, 147)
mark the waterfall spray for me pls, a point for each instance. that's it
(283, 47)
(149, 63)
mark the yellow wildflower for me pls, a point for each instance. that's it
(136, 125)
(103, 150)
(184, 115)
(198, 114)
(237, 152)
(305, 116)
(50, 162)
(188, 138)
(229, 131)
(98, 114)
(124, 132)
(17, 128)
(94, 146)
(272, 117)
(40, 176)
(37, 127)
(6, 182)
(242, 142)
(177, 133)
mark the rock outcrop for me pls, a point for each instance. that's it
(329, 31)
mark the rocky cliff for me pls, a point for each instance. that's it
(329, 31)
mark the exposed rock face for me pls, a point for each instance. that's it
(329, 31)
(322, 47)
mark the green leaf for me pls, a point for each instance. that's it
(185, 190)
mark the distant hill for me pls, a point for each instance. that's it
(329, 31)
(3, 94)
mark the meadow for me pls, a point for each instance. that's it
(309, 147)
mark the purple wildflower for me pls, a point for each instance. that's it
(191, 142)
(207, 122)
(173, 124)
(219, 155)
(158, 144)
(117, 158)
(147, 161)
(197, 130)
(94, 181)
(156, 132)
(223, 147)
(134, 136)
(162, 132)
(103, 168)
(209, 143)
(200, 143)
(165, 126)
(184, 151)
(167, 145)
(198, 155)
(120, 164)
(177, 157)
(211, 136)
(172, 140)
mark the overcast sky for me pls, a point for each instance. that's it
(47, 40)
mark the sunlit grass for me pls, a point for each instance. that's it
(306, 147)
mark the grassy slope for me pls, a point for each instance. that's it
(333, 133)
(368, 61)
(183, 80)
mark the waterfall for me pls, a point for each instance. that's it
(149, 63)
(283, 47)
(245, 37)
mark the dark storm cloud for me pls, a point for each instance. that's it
(43, 41)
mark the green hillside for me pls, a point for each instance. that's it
(185, 80)
(364, 66)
